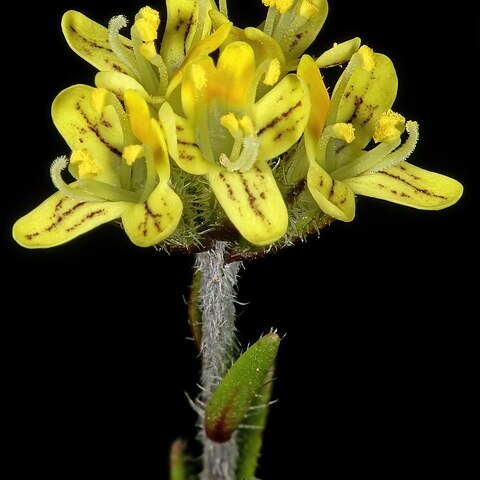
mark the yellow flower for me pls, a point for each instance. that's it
(135, 64)
(359, 113)
(295, 24)
(121, 168)
(228, 134)
(289, 29)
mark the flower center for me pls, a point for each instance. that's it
(137, 176)
(244, 150)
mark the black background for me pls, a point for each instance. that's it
(375, 373)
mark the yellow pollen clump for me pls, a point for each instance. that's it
(246, 125)
(344, 131)
(86, 165)
(131, 153)
(147, 23)
(308, 9)
(281, 5)
(273, 72)
(99, 99)
(229, 122)
(390, 126)
(368, 58)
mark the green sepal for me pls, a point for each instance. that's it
(250, 438)
(238, 390)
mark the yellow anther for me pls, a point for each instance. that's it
(281, 5)
(131, 153)
(99, 99)
(147, 32)
(230, 123)
(147, 23)
(199, 77)
(86, 165)
(344, 131)
(148, 50)
(308, 9)
(368, 58)
(246, 125)
(390, 126)
(223, 160)
(273, 72)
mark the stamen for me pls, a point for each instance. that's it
(88, 190)
(151, 175)
(390, 125)
(86, 165)
(147, 23)
(340, 131)
(273, 72)
(131, 153)
(400, 154)
(114, 26)
(367, 57)
(281, 5)
(231, 123)
(261, 70)
(223, 8)
(149, 51)
(199, 25)
(270, 20)
(99, 99)
(365, 161)
(56, 169)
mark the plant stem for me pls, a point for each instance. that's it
(219, 348)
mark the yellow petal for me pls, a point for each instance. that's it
(205, 47)
(166, 116)
(409, 185)
(144, 127)
(188, 155)
(334, 197)
(281, 116)
(301, 26)
(236, 70)
(89, 40)
(119, 83)
(149, 223)
(340, 53)
(252, 202)
(139, 115)
(320, 102)
(264, 46)
(85, 128)
(370, 91)
(200, 81)
(60, 219)
(179, 32)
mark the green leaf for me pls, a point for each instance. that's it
(194, 312)
(250, 439)
(178, 467)
(238, 390)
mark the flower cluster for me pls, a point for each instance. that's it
(217, 132)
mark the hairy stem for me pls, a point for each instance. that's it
(219, 349)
